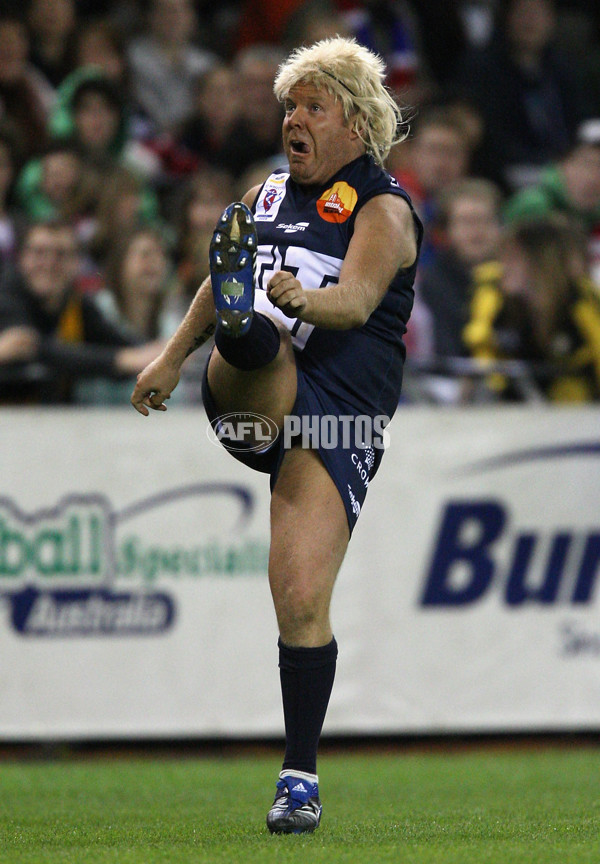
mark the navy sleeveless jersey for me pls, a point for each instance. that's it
(306, 231)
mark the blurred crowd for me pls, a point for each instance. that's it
(126, 126)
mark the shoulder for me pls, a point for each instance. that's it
(372, 181)
(384, 206)
(368, 174)
(383, 203)
(251, 195)
(390, 217)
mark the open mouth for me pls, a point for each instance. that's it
(299, 147)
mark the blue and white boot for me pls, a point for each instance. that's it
(232, 256)
(297, 807)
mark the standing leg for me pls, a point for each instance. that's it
(253, 369)
(309, 536)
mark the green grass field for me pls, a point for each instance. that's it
(493, 807)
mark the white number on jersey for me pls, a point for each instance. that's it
(313, 270)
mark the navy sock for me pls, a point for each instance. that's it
(306, 682)
(254, 349)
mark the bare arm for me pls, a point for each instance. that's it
(383, 241)
(158, 380)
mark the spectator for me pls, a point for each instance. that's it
(528, 94)
(205, 198)
(52, 25)
(125, 203)
(438, 155)
(264, 22)
(467, 116)
(90, 145)
(55, 186)
(50, 334)
(442, 45)
(25, 95)
(100, 45)
(165, 64)
(390, 28)
(313, 21)
(257, 133)
(571, 187)
(141, 300)
(98, 118)
(90, 110)
(470, 220)
(539, 306)
(215, 112)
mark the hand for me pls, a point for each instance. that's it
(154, 386)
(285, 292)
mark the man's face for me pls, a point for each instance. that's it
(316, 139)
(440, 156)
(48, 262)
(473, 229)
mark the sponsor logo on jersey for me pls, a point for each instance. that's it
(337, 203)
(292, 228)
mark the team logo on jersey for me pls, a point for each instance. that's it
(337, 203)
(270, 198)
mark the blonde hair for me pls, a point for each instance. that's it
(354, 76)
